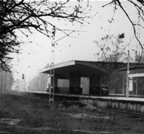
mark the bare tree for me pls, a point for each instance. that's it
(136, 25)
(139, 8)
(33, 14)
(111, 48)
(22, 14)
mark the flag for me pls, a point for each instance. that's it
(121, 36)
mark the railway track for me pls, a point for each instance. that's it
(130, 114)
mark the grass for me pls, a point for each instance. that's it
(37, 117)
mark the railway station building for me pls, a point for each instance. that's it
(89, 77)
(136, 79)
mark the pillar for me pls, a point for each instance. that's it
(95, 82)
(75, 83)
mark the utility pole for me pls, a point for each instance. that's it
(51, 86)
(51, 77)
(127, 87)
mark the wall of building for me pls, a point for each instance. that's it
(79, 84)
(118, 83)
(63, 86)
(138, 83)
(6, 81)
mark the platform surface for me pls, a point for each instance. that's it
(111, 97)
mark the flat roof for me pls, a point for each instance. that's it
(88, 68)
(132, 67)
(80, 67)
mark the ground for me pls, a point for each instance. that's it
(23, 114)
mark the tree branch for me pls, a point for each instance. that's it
(133, 25)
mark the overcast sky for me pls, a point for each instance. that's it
(37, 48)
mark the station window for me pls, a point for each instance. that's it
(63, 83)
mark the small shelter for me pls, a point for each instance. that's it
(82, 77)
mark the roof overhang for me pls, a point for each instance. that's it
(80, 67)
(132, 67)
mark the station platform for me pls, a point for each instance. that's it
(118, 97)
(118, 102)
